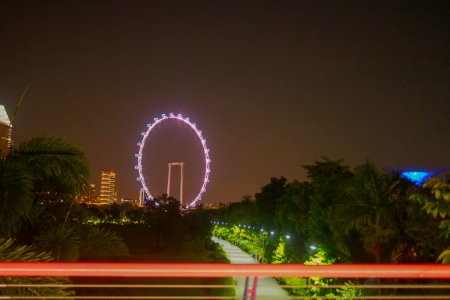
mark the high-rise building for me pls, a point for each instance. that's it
(5, 132)
(108, 193)
(141, 198)
(89, 195)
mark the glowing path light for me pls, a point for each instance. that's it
(145, 136)
(203, 270)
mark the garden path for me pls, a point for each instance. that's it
(267, 287)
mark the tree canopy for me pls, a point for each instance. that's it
(356, 215)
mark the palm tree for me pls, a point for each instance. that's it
(322, 198)
(16, 196)
(11, 252)
(61, 241)
(38, 172)
(435, 199)
(59, 169)
(100, 242)
(70, 242)
(370, 210)
(39, 180)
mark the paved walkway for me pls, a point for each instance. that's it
(267, 287)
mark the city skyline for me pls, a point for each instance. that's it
(274, 85)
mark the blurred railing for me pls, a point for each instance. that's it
(108, 280)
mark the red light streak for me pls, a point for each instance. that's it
(77, 269)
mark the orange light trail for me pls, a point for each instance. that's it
(420, 271)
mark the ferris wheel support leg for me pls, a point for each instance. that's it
(181, 184)
(168, 179)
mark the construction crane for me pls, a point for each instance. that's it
(19, 103)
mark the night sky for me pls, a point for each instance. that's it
(273, 85)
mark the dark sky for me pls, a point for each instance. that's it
(273, 85)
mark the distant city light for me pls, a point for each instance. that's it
(417, 177)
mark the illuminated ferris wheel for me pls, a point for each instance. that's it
(145, 138)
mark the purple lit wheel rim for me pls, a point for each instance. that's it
(141, 145)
